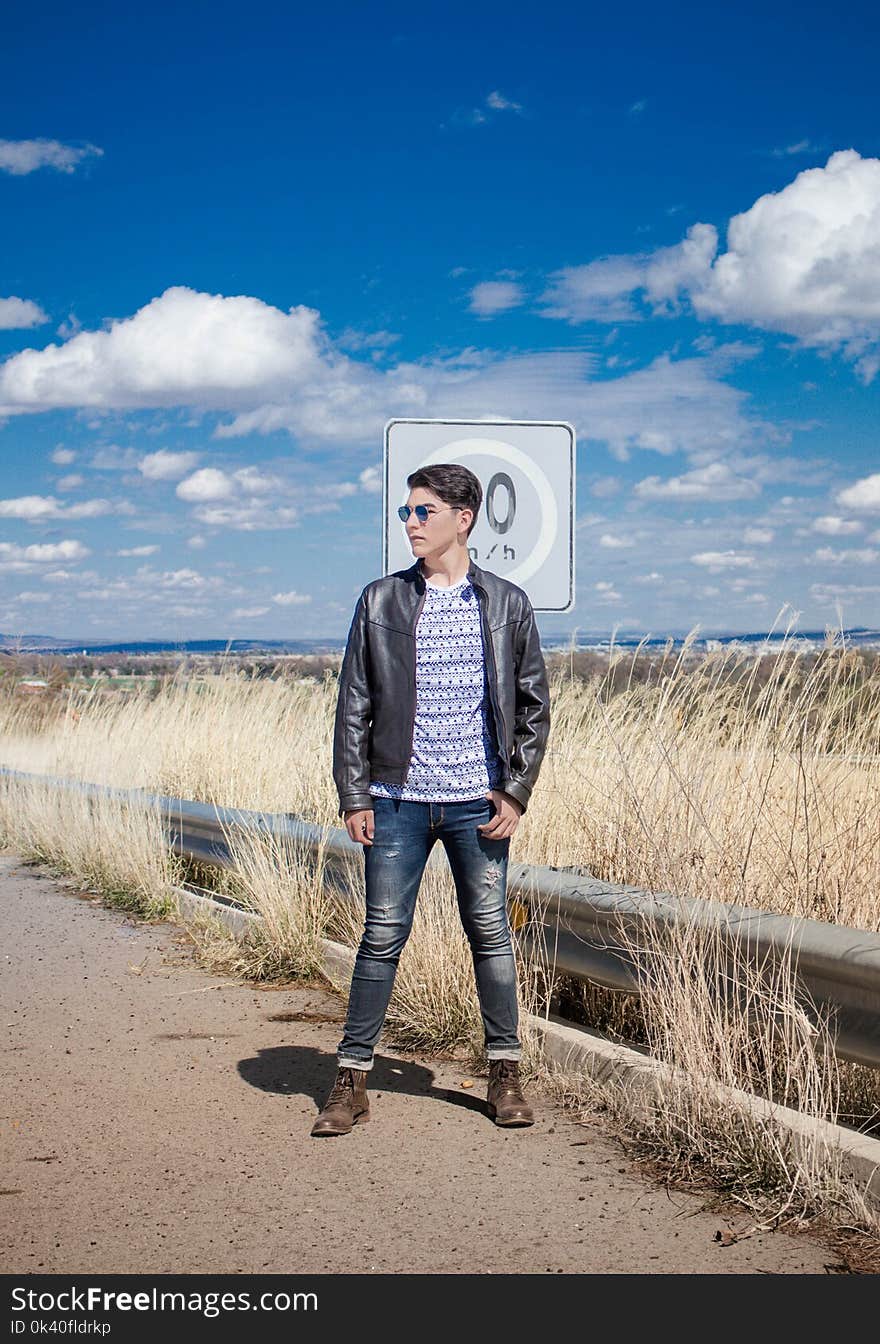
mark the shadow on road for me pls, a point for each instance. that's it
(304, 1071)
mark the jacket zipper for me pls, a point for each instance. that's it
(496, 708)
(412, 734)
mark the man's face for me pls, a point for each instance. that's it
(443, 527)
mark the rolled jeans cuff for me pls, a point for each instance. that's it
(346, 1062)
(503, 1052)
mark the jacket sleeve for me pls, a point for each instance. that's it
(351, 732)
(532, 721)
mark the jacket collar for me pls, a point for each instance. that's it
(416, 575)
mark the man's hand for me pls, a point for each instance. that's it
(506, 819)
(360, 825)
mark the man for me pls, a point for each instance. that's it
(442, 720)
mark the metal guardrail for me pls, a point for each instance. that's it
(583, 927)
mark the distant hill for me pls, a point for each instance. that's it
(46, 644)
(857, 635)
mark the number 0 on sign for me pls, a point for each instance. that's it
(525, 528)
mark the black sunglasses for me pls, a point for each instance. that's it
(421, 511)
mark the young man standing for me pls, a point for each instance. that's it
(442, 720)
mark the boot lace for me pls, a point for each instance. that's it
(343, 1088)
(507, 1077)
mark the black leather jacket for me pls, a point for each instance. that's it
(376, 705)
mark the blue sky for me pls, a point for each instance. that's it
(236, 241)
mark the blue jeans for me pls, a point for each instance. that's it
(404, 834)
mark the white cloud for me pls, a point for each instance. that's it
(35, 508)
(478, 116)
(254, 482)
(864, 494)
(69, 575)
(715, 561)
(158, 587)
(715, 481)
(208, 484)
(177, 578)
(26, 156)
(15, 557)
(63, 457)
(613, 543)
(864, 556)
(670, 270)
(167, 466)
(370, 480)
(113, 458)
(70, 482)
(836, 527)
(276, 371)
(183, 348)
(495, 296)
(499, 103)
(218, 496)
(801, 147)
(669, 406)
(335, 490)
(17, 314)
(197, 542)
(375, 341)
(138, 550)
(253, 516)
(245, 613)
(69, 327)
(32, 597)
(758, 536)
(589, 520)
(596, 292)
(602, 291)
(291, 599)
(830, 592)
(605, 486)
(806, 260)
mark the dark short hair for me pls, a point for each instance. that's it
(455, 485)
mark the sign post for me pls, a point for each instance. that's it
(525, 528)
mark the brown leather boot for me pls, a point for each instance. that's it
(504, 1099)
(346, 1105)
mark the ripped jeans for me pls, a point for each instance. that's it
(404, 834)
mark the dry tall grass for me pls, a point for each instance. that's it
(282, 881)
(727, 1031)
(114, 849)
(704, 782)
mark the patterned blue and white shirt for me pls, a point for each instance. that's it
(454, 752)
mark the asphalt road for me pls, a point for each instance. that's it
(156, 1118)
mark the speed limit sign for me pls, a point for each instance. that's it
(525, 528)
